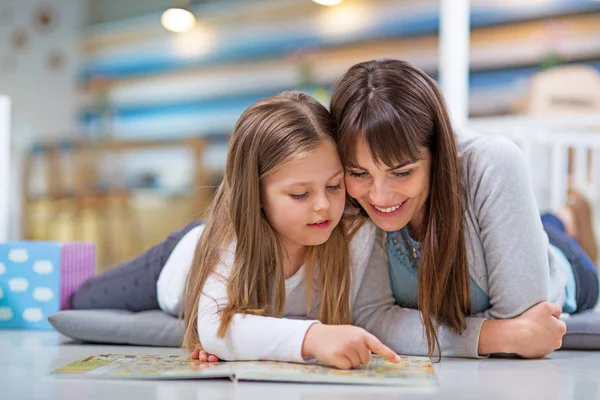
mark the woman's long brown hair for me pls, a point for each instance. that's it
(269, 134)
(397, 109)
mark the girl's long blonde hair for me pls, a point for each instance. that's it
(269, 134)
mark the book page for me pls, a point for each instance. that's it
(126, 366)
(410, 371)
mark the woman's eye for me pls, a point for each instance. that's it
(299, 196)
(334, 188)
(404, 173)
(357, 174)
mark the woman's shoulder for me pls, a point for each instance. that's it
(489, 161)
(486, 150)
(365, 232)
(362, 241)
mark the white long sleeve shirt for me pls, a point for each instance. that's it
(252, 337)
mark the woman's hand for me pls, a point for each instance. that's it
(534, 334)
(540, 330)
(343, 346)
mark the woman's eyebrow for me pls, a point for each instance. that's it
(401, 165)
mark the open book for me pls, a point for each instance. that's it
(411, 371)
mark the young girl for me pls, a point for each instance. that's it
(272, 265)
(272, 262)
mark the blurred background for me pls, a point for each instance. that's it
(121, 110)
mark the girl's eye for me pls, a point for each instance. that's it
(404, 173)
(357, 174)
(334, 188)
(299, 196)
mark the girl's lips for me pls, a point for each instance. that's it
(389, 214)
(321, 224)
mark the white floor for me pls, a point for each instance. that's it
(26, 357)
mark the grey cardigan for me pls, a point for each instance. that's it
(508, 254)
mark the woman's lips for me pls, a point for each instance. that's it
(389, 211)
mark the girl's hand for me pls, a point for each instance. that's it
(539, 330)
(343, 346)
(203, 356)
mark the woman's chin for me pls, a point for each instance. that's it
(389, 224)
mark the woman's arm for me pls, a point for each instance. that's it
(517, 271)
(533, 334)
(516, 252)
(510, 229)
(402, 328)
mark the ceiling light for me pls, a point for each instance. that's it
(346, 19)
(178, 20)
(328, 2)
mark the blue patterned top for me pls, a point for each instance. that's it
(404, 254)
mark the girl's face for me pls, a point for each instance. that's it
(392, 195)
(304, 200)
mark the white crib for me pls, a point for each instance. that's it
(561, 153)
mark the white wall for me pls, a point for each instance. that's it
(5, 192)
(44, 100)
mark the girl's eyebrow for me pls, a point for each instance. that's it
(340, 172)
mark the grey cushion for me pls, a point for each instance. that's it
(146, 328)
(155, 328)
(583, 332)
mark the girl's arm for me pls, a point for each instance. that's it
(252, 337)
(249, 337)
(171, 281)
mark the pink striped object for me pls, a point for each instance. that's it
(77, 263)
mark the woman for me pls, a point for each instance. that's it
(469, 257)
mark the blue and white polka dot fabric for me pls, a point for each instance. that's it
(29, 284)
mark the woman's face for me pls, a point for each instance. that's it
(392, 195)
